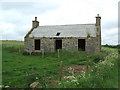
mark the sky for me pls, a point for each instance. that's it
(16, 16)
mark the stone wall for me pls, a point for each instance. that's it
(47, 44)
(98, 38)
(29, 46)
(71, 44)
(67, 44)
(91, 44)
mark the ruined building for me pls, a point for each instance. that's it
(73, 37)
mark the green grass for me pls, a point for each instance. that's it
(12, 43)
(16, 66)
(103, 74)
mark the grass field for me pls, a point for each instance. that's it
(19, 70)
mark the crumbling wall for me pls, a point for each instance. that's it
(47, 44)
(28, 44)
(70, 44)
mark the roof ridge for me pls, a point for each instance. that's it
(69, 24)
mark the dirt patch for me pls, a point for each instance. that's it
(66, 71)
(76, 69)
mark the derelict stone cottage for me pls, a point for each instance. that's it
(73, 37)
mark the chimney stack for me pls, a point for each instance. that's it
(98, 20)
(35, 23)
(98, 33)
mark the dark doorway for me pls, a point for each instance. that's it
(37, 44)
(58, 44)
(81, 44)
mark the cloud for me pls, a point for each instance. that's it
(110, 36)
(13, 32)
(110, 25)
(14, 12)
(29, 7)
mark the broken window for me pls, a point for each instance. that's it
(81, 44)
(58, 44)
(37, 44)
(57, 34)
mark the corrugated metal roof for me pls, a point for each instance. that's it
(74, 30)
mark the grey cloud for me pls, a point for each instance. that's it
(109, 32)
(110, 38)
(113, 41)
(15, 34)
(15, 5)
(18, 21)
(29, 7)
(110, 25)
(21, 12)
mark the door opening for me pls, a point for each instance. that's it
(37, 44)
(58, 44)
(81, 44)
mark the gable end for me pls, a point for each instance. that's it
(27, 35)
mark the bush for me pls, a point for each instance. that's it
(98, 57)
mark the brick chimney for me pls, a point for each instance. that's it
(98, 20)
(35, 23)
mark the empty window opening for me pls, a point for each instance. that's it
(37, 44)
(81, 44)
(57, 34)
(58, 44)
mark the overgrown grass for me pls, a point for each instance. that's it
(103, 74)
(21, 70)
